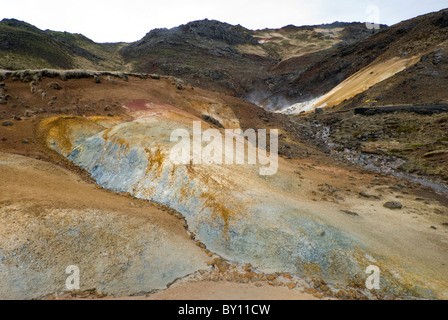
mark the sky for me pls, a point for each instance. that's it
(130, 20)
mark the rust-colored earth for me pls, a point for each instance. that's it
(36, 180)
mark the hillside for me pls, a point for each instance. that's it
(274, 68)
(203, 53)
(394, 58)
(23, 46)
(206, 53)
(233, 59)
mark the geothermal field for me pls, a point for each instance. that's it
(218, 162)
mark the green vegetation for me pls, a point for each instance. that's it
(23, 40)
(407, 128)
(23, 46)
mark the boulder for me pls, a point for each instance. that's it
(393, 205)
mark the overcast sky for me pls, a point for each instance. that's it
(130, 20)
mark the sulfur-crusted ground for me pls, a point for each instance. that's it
(54, 214)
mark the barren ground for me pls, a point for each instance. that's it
(40, 180)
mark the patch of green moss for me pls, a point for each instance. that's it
(394, 151)
(407, 128)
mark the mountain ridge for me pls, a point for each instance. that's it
(272, 68)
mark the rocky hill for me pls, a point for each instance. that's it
(23, 46)
(206, 53)
(233, 59)
(324, 71)
(274, 68)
